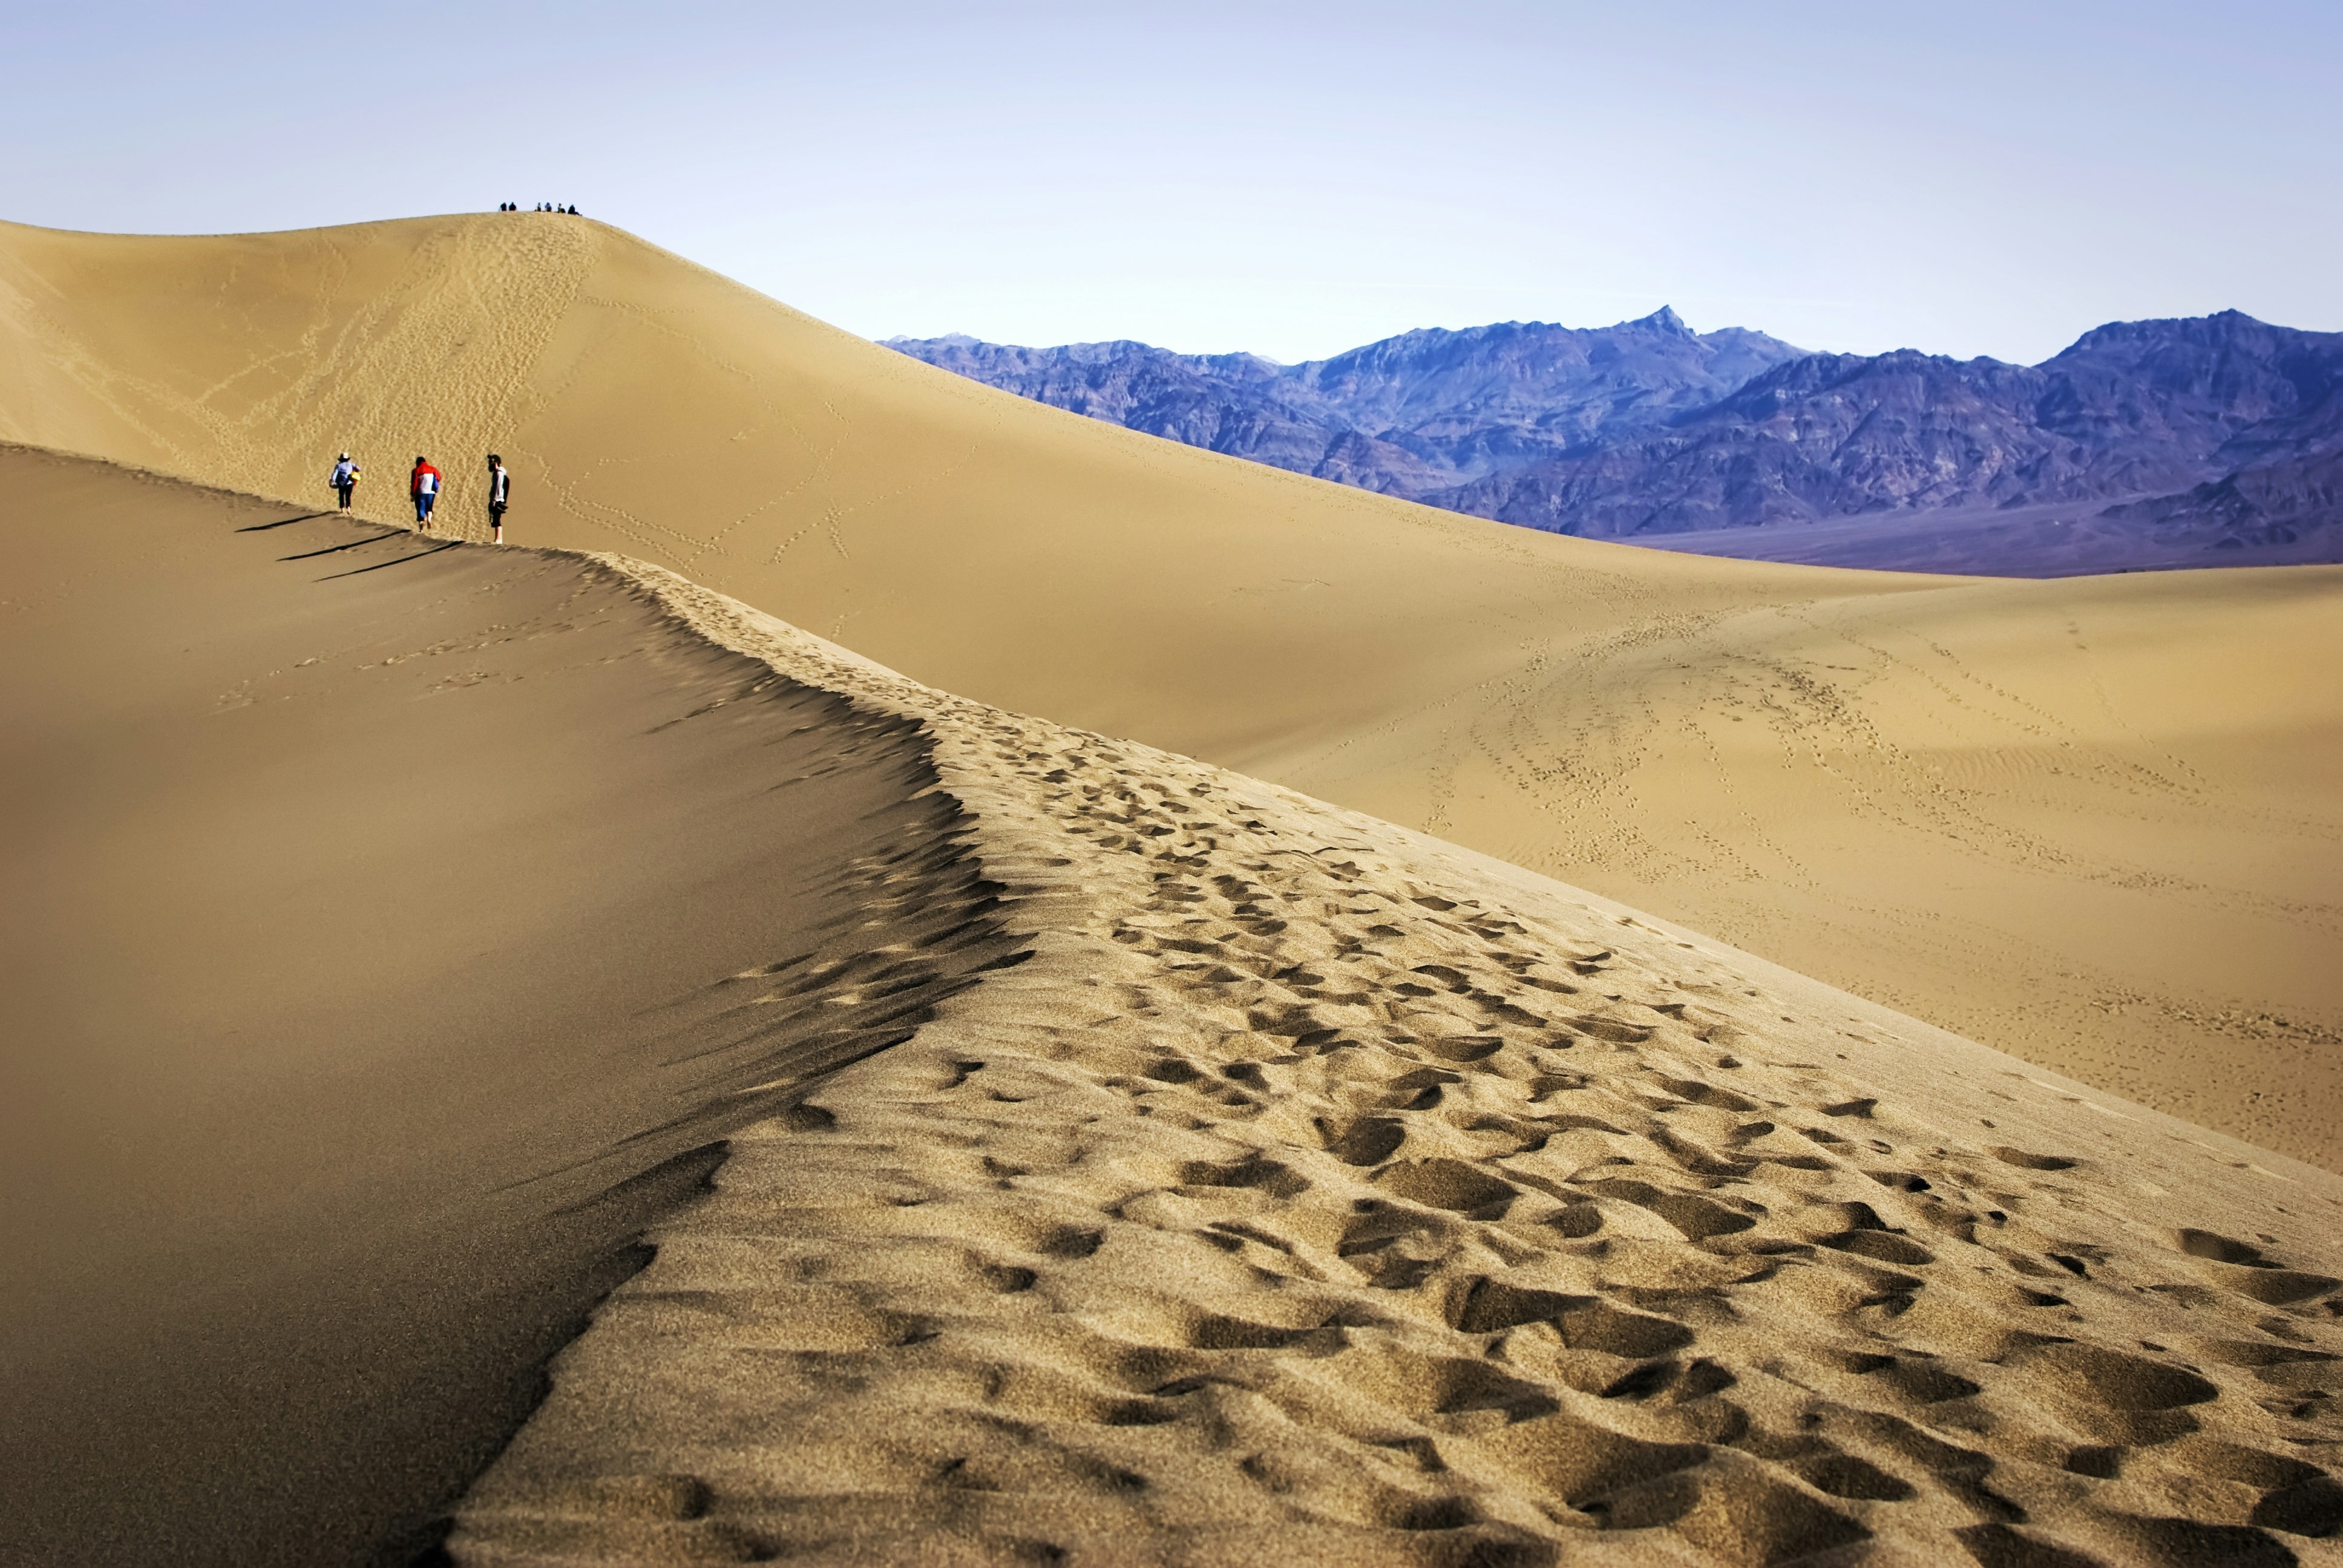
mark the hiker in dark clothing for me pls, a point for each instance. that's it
(499, 494)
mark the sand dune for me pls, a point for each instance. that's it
(1129, 1160)
(2092, 823)
(1319, 1193)
(371, 906)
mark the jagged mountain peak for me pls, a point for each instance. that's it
(2221, 327)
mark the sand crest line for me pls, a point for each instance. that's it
(381, 964)
(1323, 1190)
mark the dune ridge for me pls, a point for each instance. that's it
(1322, 1191)
(369, 908)
(2092, 823)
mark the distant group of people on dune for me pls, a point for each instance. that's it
(423, 485)
(541, 207)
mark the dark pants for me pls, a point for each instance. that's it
(496, 514)
(344, 490)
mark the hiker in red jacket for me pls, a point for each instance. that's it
(424, 486)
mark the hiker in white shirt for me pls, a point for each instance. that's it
(346, 479)
(499, 494)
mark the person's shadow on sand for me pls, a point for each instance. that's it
(264, 527)
(435, 550)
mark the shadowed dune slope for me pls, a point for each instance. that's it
(368, 977)
(2089, 821)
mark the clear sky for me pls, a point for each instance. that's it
(1987, 177)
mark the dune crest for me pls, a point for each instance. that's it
(2092, 823)
(372, 906)
(1320, 1190)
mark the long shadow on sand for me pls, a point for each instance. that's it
(335, 549)
(401, 561)
(282, 523)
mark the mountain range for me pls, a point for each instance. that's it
(2207, 440)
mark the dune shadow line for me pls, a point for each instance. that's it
(287, 522)
(418, 555)
(352, 545)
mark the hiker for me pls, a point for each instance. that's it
(499, 494)
(424, 486)
(346, 479)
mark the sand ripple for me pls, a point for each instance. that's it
(1318, 1191)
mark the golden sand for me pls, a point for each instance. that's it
(1242, 1177)
(368, 908)
(2091, 822)
(1321, 1192)
(1262, 1180)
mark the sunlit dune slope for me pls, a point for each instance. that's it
(2089, 821)
(1125, 1160)
(1322, 1193)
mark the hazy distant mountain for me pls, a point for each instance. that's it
(1422, 412)
(1235, 403)
(1488, 399)
(2131, 409)
(2149, 443)
(2285, 492)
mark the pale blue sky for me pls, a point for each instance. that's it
(1988, 177)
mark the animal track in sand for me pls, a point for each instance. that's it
(1315, 1191)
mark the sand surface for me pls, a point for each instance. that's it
(2094, 822)
(1129, 1160)
(1323, 1194)
(373, 910)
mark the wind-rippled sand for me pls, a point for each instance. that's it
(368, 902)
(1310, 1189)
(1321, 1192)
(2092, 823)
